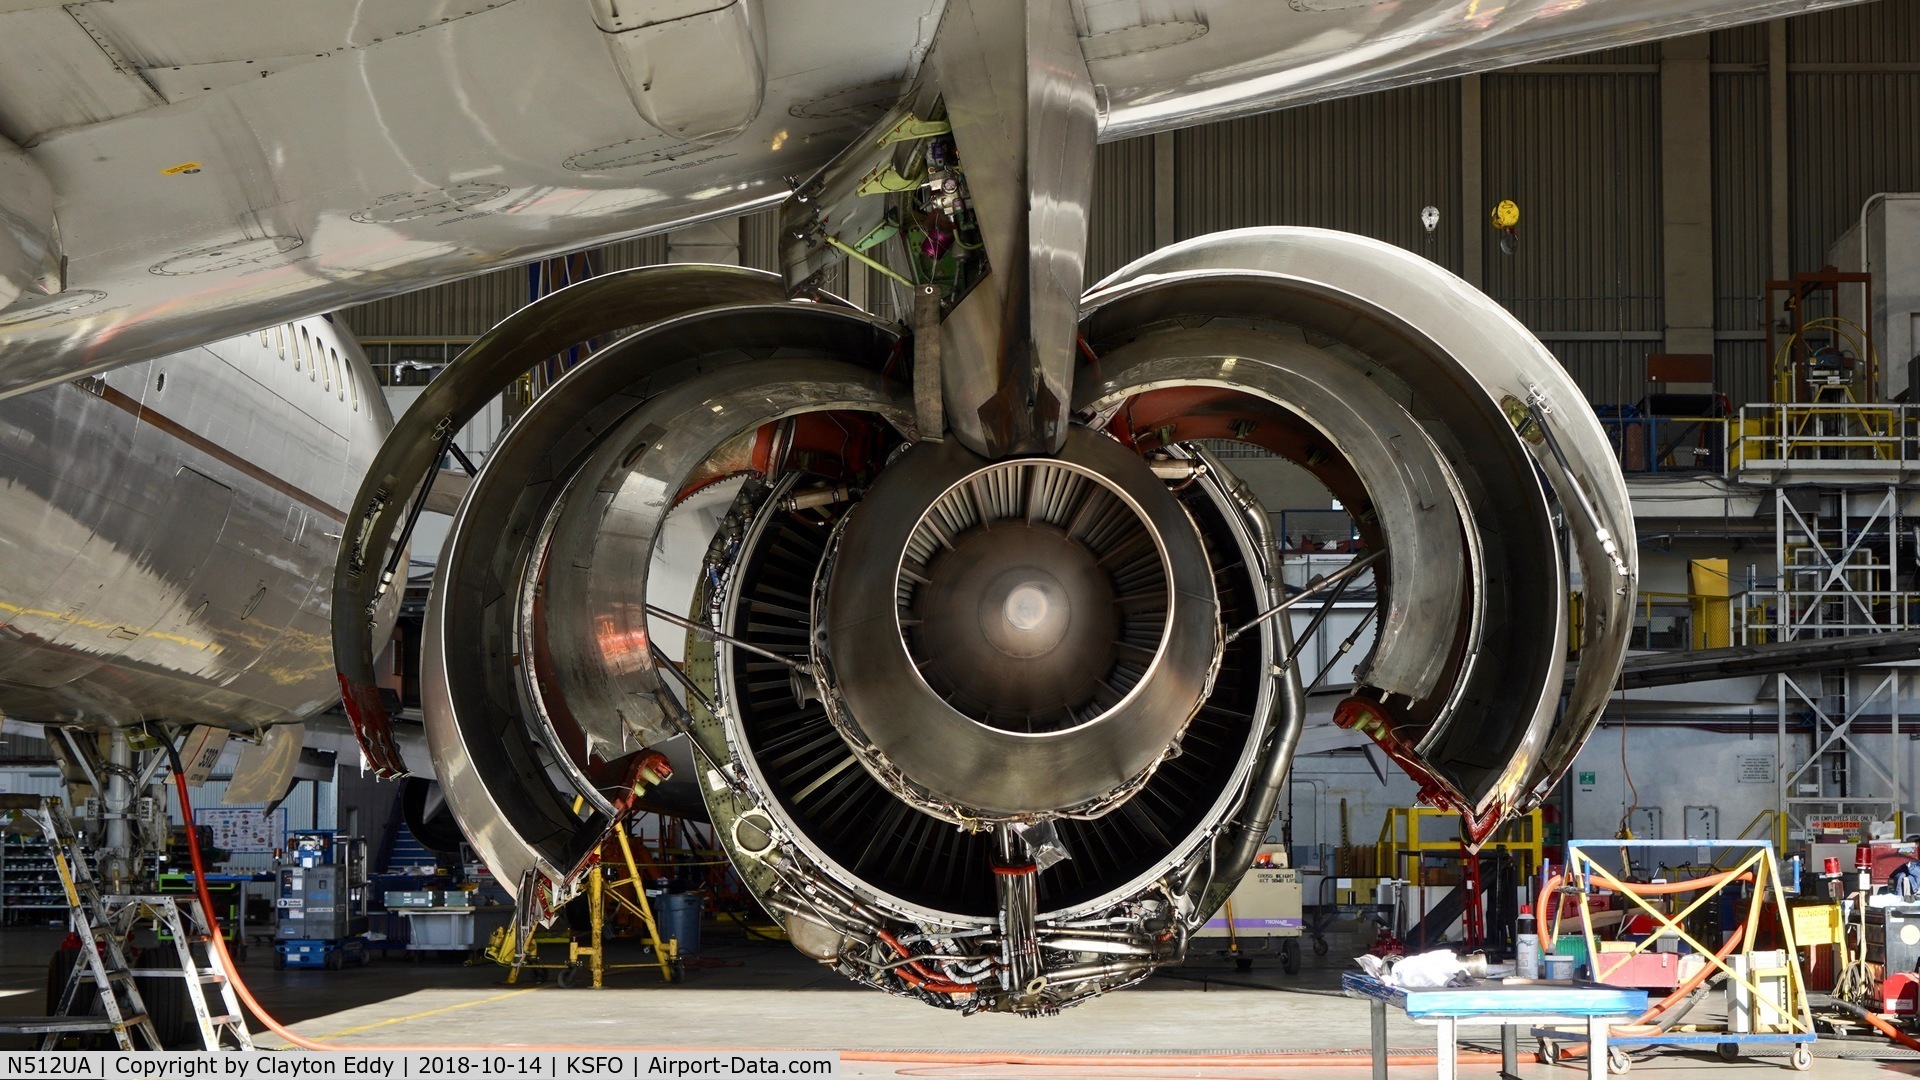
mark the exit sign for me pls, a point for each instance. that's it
(1586, 779)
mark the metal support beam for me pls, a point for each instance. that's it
(1779, 217)
(1841, 567)
(1686, 192)
(1473, 207)
(1163, 190)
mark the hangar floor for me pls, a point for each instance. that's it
(743, 994)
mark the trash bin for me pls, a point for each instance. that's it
(678, 915)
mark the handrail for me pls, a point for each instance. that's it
(1776, 824)
(1847, 434)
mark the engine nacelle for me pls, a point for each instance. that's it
(1003, 733)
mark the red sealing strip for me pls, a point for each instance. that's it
(1016, 871)
(373, 727)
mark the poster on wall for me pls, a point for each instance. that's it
(245, 829)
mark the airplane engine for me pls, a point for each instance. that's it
(999, 732)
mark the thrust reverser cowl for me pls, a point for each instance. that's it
(1442, 412)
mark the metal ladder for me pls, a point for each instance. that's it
(181, 922)
(103, 925)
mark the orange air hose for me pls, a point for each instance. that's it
(1545, 925)
(1666, 888)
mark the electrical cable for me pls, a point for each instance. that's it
(1880, 1025)
(1626, 814)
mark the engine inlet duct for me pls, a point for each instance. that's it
(976, 655)
(1047, 630)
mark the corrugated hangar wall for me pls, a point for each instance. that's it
(1576, 143)
(466, 309)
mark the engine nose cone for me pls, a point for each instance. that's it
(1033, 617)
(1015, 626)
(1048, 630)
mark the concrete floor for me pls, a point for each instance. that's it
(742, 994)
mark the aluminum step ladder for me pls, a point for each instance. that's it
(103, 924)
(180, 922)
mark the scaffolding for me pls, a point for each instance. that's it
(1845, 569)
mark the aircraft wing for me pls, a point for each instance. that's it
(175, 171)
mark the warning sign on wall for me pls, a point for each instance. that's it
(1756, 768)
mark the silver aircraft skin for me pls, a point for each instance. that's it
(175, 171)
(167, 531)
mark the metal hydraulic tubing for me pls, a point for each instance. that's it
(1014, 878)
(116, 807)
(1248, 827)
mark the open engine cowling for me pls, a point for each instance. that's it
(1002, 733)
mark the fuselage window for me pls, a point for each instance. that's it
(333, 368)
(313, 358)
(280, 335)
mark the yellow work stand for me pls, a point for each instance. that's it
(630, 892)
